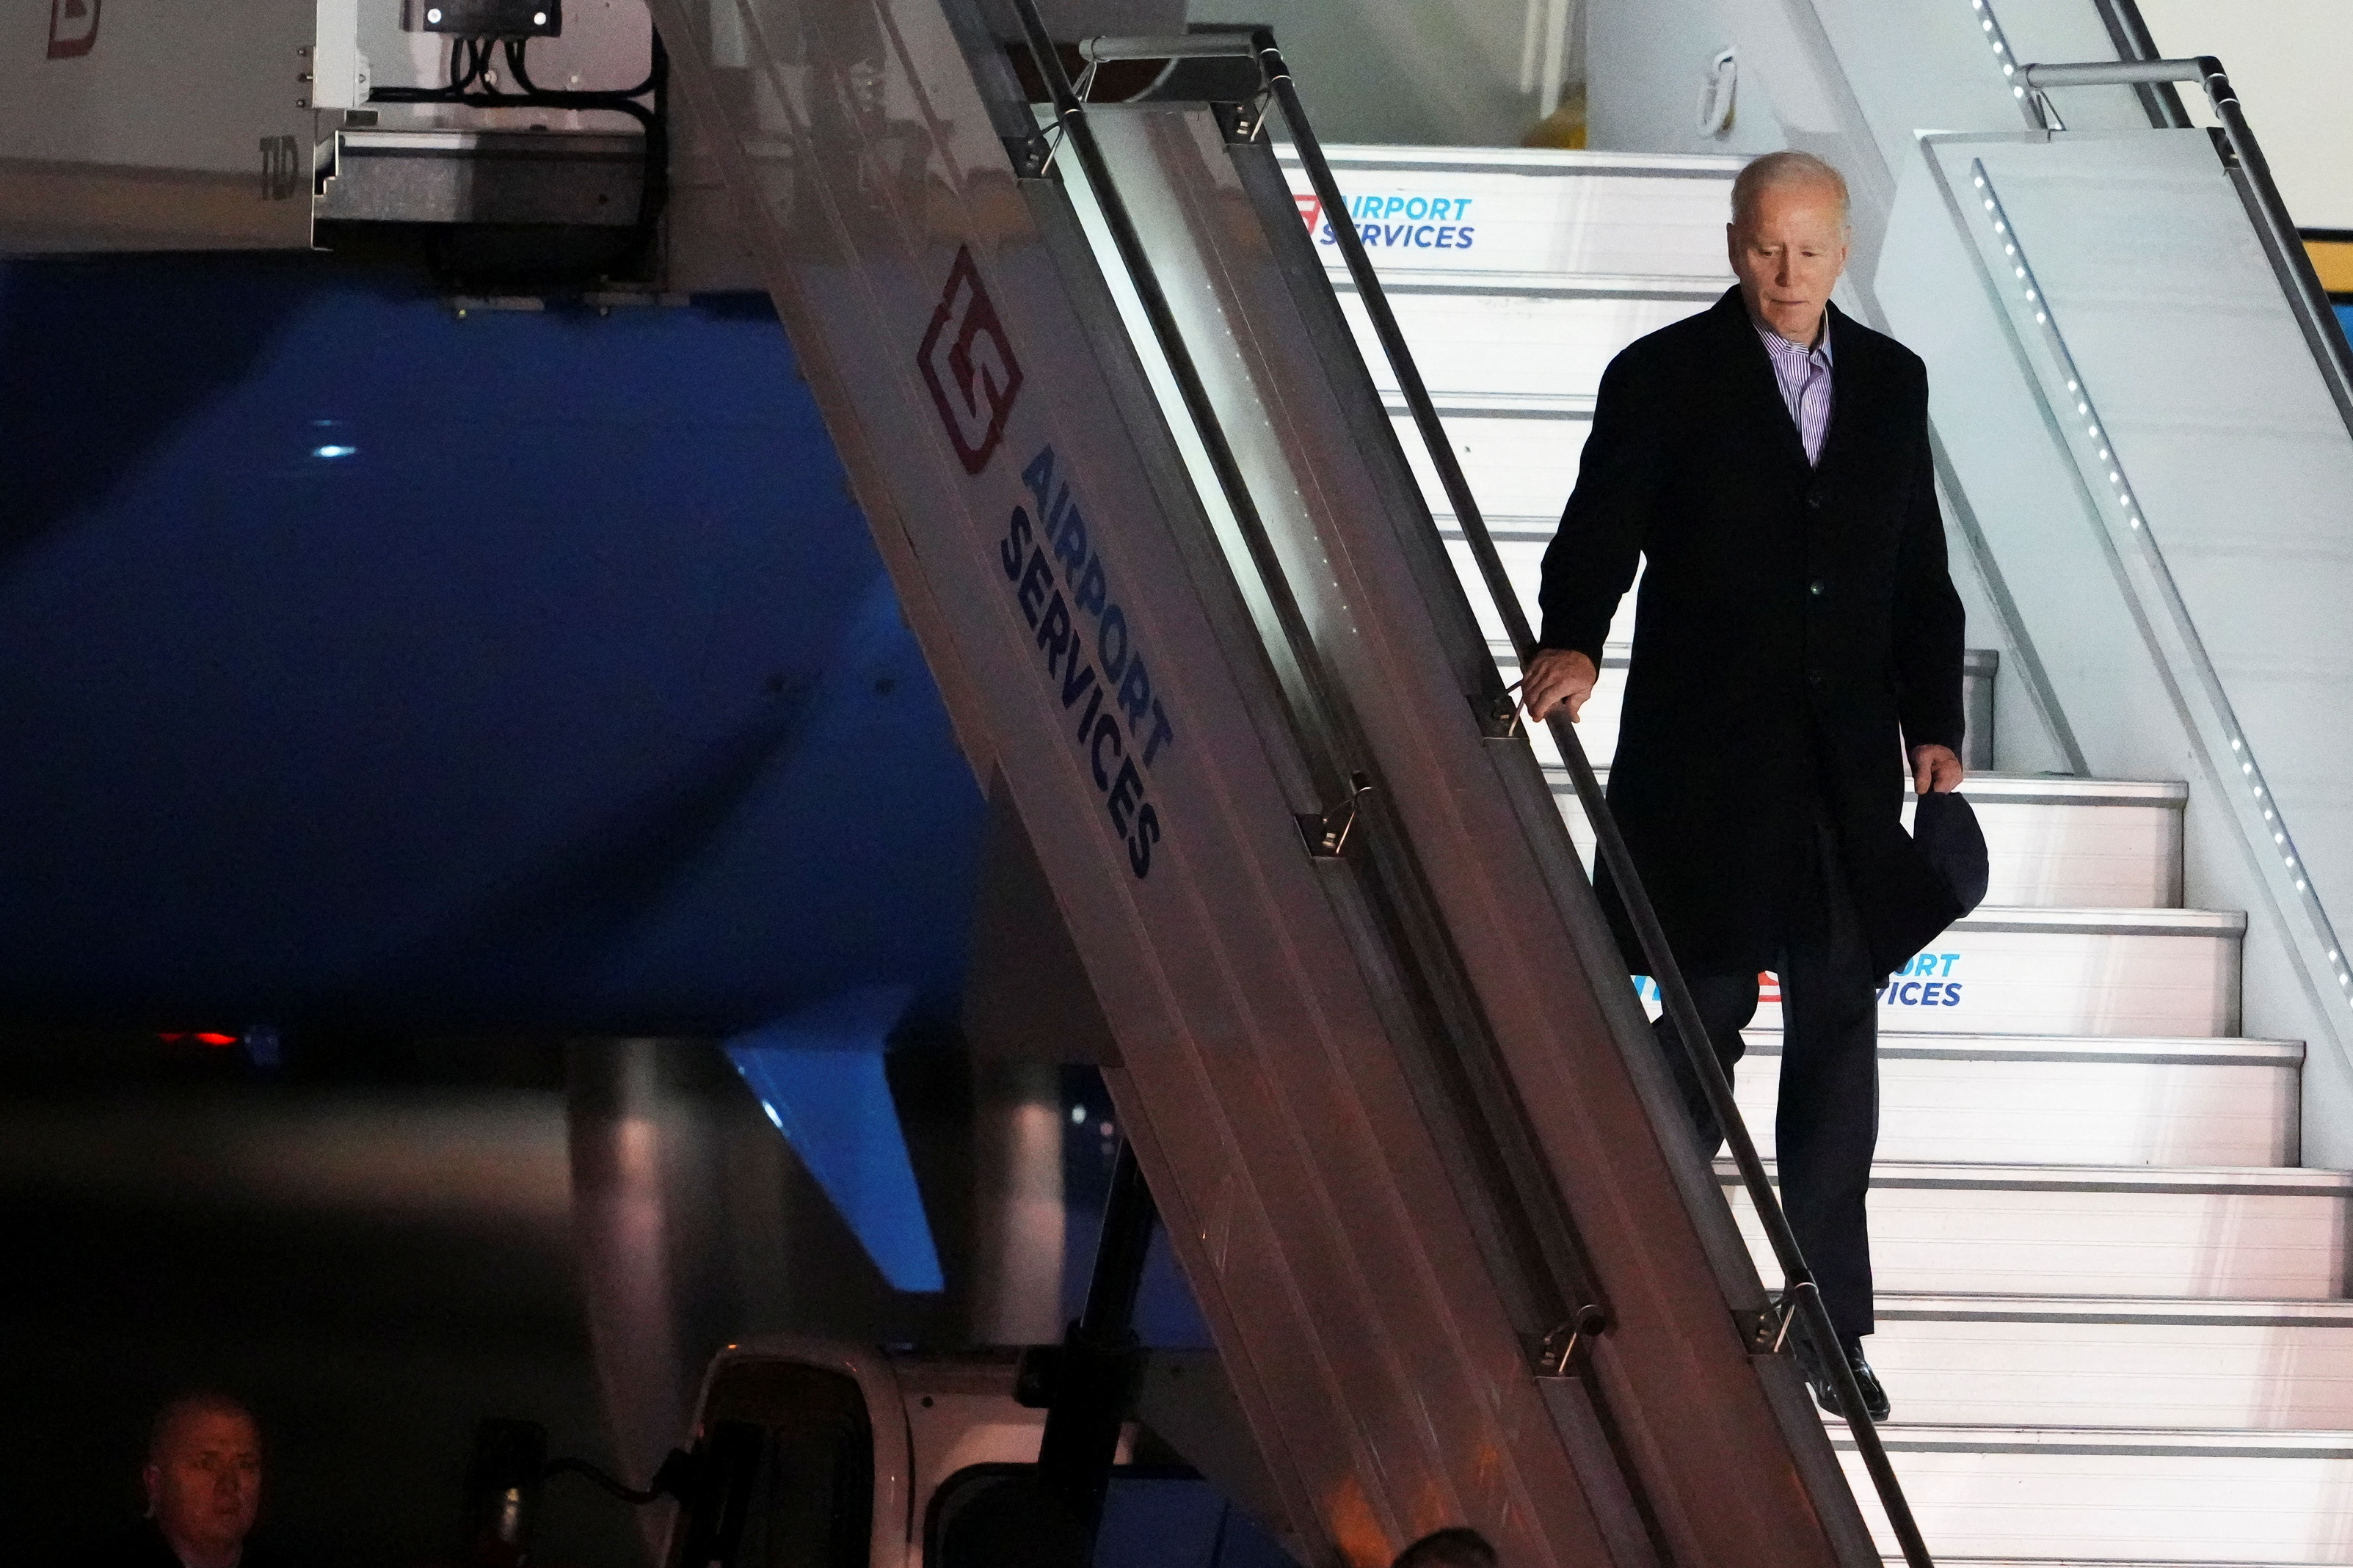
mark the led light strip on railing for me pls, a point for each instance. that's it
(2005, 58)
(2102, 471)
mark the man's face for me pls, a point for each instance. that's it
(1788, 254)
(204, 1483)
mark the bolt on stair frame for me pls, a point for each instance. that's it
(1800, 1300)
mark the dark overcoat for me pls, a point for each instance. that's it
(1795, 635)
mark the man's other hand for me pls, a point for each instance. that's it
(1558, 677)
(1934, 768)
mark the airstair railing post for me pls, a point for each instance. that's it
(1094, 1376)
(2133, 41)
(1802, 1298)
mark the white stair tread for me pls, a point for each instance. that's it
(2139, 1495)
(2236, 1181)
(1507, 285)
(2052, 842)
(2124, 1309)
(1538, 162)
(1530, 528)
(2043, 1100)
(2105, 921)
(1500, 404)
(2094, 1362)
(2184, 1051)
(2219, 1442)
(2116, 973)
(2063, 789)
(2200, 1232)
(2007, 789)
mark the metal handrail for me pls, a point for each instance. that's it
(1191, 47)
(1801, 1299)
(2290, 262)
(2130, 35)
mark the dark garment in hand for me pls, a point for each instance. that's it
(1796, 631)
(143, 1546)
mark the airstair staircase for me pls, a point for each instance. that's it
(2112, 1310)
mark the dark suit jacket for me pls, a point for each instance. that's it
(143, 1546)
(1795, 632)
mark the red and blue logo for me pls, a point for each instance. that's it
(1398, 222)
(967, 361)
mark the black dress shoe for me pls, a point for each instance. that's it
(1875, 1397)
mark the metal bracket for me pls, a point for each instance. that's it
(1242, 122)
(1563, 1348)
(1326, 833)
(1768, 1333)
(1032, 154)
(1498, 714)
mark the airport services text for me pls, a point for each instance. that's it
(1090, 654)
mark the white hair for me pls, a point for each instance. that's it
(1787, 167)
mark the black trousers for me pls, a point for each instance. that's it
(1828, 1121)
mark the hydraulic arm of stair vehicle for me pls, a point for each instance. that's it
(1379, 1059)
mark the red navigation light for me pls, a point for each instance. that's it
(216, 1039)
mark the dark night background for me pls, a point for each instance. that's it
(424, 689)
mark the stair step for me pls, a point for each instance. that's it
(2061, 972)
(1523, 341)
(2061, 1101)
(2258, 1365)
(1520, 456)
(2046, 1496)
(1537, 216)
(2113, 1230)
(2049, 842)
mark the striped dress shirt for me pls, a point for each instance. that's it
(1804, 377)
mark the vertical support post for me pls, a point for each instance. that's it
(1094, 1381)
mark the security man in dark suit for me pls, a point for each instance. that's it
(1795, 637)
(203, 1480)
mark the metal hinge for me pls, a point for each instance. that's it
(1242, 122)
(1032, 155)
(1768, 1333)
(1326, 833)
(1572, 1341)
(1498, 715)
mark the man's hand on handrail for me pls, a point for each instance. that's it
(1557, 679)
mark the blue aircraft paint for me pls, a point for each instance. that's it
(818, 1074)
(2345, 319)
(359, 660)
